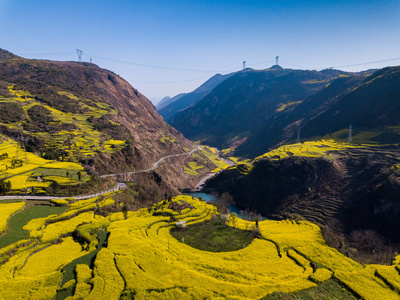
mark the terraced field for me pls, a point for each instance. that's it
(71, 134)
(143, 260)
(27, 171)
(328, 205)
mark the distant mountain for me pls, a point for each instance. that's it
(168, 100)
(241, 105)
(181, 102)
(368, 102)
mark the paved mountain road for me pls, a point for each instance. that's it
(155, 165)
(120, 185)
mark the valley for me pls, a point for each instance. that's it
(92, 180)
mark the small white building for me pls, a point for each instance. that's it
(181, 224)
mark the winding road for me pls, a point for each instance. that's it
(120, 185)
(201, 183)
(155, 165)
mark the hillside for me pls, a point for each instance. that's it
(183, 101)
(349, 188)
(80, 113)
(241, 105)
(370, 103)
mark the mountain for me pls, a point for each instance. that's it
(168, 100)
(186, 100)
(368, 102)
(81, 113)
(241, 104)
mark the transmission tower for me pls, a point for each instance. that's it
(244, 65)
(298, 134)
(79, 54)
(276, 60)
(350, 137)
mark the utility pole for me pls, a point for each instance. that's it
(244, 65)
(350, 137)
(276, 60)
(79, 54)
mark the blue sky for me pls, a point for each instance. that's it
(203, 37)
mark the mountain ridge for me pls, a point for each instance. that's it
(240, 104)
(189, 99)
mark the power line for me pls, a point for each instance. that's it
(151, 66)
(368, 63)
(47, 54)
(345, 66)
(204, 70)
(291, 64)
(179, 81)
(261, 63)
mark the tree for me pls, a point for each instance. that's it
(224, 200)
(5, 186)
(79, 175)
(233, 217)
(125, 211)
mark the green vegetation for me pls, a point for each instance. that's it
(214, 236)
(69, 269)
(19, 220)
(331, 289)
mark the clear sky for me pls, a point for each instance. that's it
(143, 40)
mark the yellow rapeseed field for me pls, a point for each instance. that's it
(308, 149)
(6, 210)
(51, 259)
(142, 258)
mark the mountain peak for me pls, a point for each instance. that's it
(4, 55)
(276, 67)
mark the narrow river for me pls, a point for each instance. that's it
(210, 197)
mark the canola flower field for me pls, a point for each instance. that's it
(142, 259)
(207, 156)
(321, 148)
(83, 140)
(25, 175)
